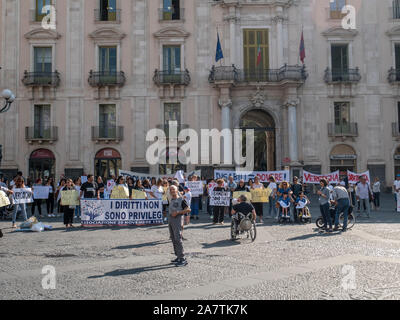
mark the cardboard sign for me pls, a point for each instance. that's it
(136, 194)
(196, 187)
(120, 192)
(165, 195)
(237, 194)
(110, 185)
(220, 198)
(21, 196)
(41, 192)
(70, 198)
(4, 201)
(260, 195)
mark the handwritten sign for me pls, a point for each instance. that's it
(220, 198)
(120, 192)
(196, 187)
(237, 194)
(70, 198)
(110, 185)
(41, 192)
(260, 195)
(4, 201)
(22, 196)
(140, 195)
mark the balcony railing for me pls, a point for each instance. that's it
(113, 15)
(107, 133)
(43, 134)
(289, 73)
(168, 129)
(172, 77)
(393, 75)
(344, 130)
(347, 75)
(46, 79)
(171, 15)
(106, 78)
(396, 130)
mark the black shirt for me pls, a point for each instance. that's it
(296, 188)
(243, 207)
(239, 188)
(89, 190)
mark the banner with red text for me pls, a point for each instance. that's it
(355, 177)
(279, 176)
(312, 178)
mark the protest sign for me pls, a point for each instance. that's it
(196, 187)
(220, 198)
(120, 192)
(264, 176)
(70, 198)
(21, 196)
(110, 185)
(211, 187)
(355, 177)
(41, 192)
(136, 194)
(121, 212)
(260, 195)
(4, 201)
(312, 178)
(165, 194)
(237, 194)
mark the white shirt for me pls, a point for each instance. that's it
(188, 197)
(157, 191)
(376, 187)
(396, 184)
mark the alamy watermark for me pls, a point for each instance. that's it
(49, 280)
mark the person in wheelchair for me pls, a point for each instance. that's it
(301, 206)
(243, 207)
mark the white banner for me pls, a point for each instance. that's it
(312, 178)
(121, 212)
(220, 198)
(355, 177)
(41, 192)
(196, 187)
(110, 185)
(264, 176)
(21, 196)
(142, 176)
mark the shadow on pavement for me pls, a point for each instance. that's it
(122, 272)
(220, 244)
(314, 235)
(142, 245)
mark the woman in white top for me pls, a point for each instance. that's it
(272, 198)
(157, 191)
(376, 189)
(258, 205)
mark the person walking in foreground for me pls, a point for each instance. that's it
(342, 203)
(364, 193)
(177, 209)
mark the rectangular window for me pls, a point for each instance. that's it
(340, 62)
(172, 112)
(397, 55)
(42, 121)
(107, 121)
(171, 10)
(108, 59)
(172, 59)
(40, 4)
(342, 117)
(108, 10)
(396, 9)
(43, 57)
(336, 7)
(398, 116)
(256, 53)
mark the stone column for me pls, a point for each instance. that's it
(292, 128)
(279, 35)
(225, 103)
(232, 35)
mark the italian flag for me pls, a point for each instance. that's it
(259, 55)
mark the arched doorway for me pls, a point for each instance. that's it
(107, 163)
(42, 164)
(171, 168)
(343, 158)
(265, 138)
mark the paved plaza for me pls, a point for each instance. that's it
(285, 262)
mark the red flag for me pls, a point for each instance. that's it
(259, 55)
(302, 48)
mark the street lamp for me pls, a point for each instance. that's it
(9, 98)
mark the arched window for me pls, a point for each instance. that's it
(343, 158)
(42, 164)
(107, 163)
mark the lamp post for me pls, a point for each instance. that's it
(9, 98)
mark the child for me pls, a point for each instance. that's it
(285, 204)
(302, 203)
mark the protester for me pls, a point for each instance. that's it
(232, 185)
(100, 188)
(139, 186)
(37, 202)
(77, 183)
(363, 194)
(19, 184)
(219, 210)
(89, 188)
(342, 203)
(396, 190)
(195, 204)
(258, 205)
(241, 187)
(324, 196)
(284, 188)
(50, 199)
(296, 188)
(157, 191)
(60, 188)
(177, 209)
(68, 210)
(301, 204)
(272, 198)
(376, 189)
(131, 186)
(244, 207)
(187, 196)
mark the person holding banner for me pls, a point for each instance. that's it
(258, 206)
(219, 211)
(19, 184)
(67, 209)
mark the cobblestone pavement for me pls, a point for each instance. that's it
(285, 262)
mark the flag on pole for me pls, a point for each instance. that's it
(302, 48)
(220, 54)
(259, 55)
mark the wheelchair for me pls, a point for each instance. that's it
(243, 224)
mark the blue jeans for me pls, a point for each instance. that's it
(272, 206)
(78, 211)
(23, 210)
(194, 206)
(343, 206)
(326, 215)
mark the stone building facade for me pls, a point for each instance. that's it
(89, 91)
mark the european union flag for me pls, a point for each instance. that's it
(220, 54)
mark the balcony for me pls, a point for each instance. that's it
(396, 130)
(41, 135)
(286, 73)
(393, 75)
(106, 78)
(168, 129)
(342, 76)
(349, 130)
(165, 15)
(112, 16)
(171, 78)
(107, 134)
(41, 79)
